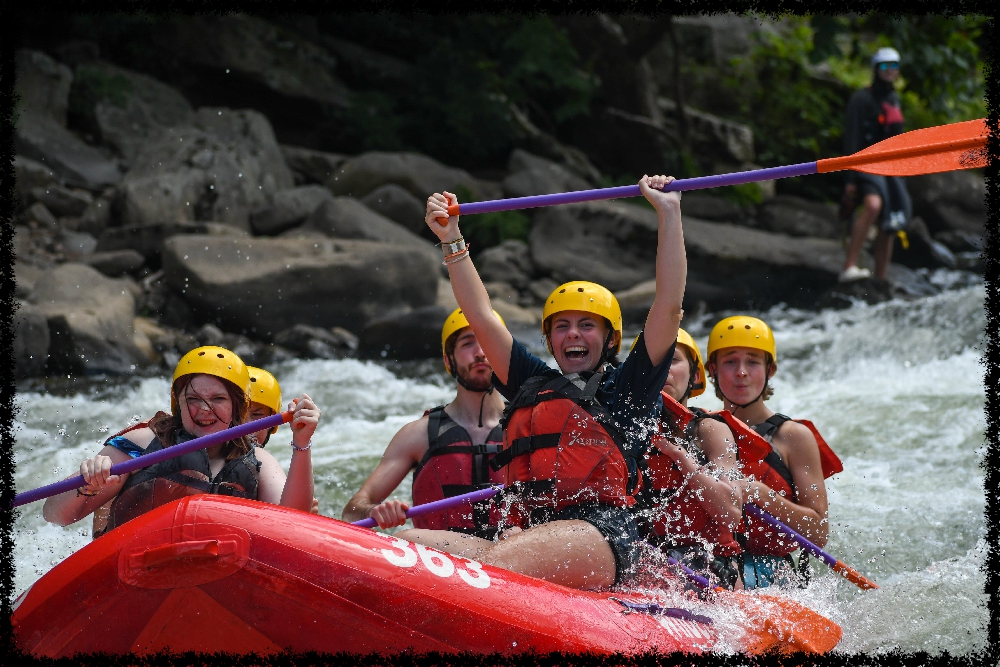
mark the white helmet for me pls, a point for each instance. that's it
(886, 54)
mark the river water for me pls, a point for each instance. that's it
(896, 389)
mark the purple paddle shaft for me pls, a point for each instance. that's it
(780, 525)
(691, 574)
(149, 459)
(443, 504)
(682, 185)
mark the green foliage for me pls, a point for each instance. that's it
(485, 230)
(796, 82)
(454, 104)
(92, 85)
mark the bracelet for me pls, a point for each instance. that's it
(453, 247)
(302, 449)
(79, 493)
(458, 256)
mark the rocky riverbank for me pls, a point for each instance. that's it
(147, 224)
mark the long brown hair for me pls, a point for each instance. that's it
(165, 426)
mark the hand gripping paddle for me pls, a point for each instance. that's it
(927, 151)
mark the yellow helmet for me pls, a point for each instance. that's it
(587, 297)
(210, 360)
(456, 322)
(685, 339)
(742, 331)
(264, 389)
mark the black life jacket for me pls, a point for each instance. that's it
(185, 475)
(453, 466)
(562, 449)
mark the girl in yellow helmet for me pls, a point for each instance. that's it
(208, 394)
(693, 498)
(789, 482)
(576, 528)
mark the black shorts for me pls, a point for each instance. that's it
(720, 570)
(617, 526)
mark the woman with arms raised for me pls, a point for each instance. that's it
(572, 439)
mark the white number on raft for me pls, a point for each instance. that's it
(480, 580)
(409, 557)
(438, 563)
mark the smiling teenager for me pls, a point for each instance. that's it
(572, 439)
(789, 482)
(208, 394)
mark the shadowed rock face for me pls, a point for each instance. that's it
(220, 169)
(417, 173)
(90, 319)
(243, 283)
(950, 202)
(31, 341)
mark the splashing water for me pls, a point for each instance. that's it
(897, 390)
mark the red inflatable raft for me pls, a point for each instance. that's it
(210, 573)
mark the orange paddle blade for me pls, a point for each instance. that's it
(785, 625)
(928, 151)
(854, 576)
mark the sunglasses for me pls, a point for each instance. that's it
(885, 66)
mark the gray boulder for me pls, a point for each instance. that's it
(148, 240)
(950, 201)
(725, 139)
(715, 209)
(30, 174)
(40, 213)
(116, 262)
(310, 166)
(97, 216)
(416, 173)
(508, 262)
(288, 208)
(62, 201)
(533, 175)
(220, 169)
(610, 243)
(411, 335)
(46, 141)
(795, 216)
(141, 106)
(266, 285)
(75, 243)
(42, 85)
(316, 342)
(31, 341)
(348, 218)
(397, 204)
(90, 318)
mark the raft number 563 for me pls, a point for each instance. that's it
(438, 563)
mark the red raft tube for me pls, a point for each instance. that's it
(213, 573)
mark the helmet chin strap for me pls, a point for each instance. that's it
(606, 352)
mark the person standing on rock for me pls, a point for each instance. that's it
(208, 394)
(572, 439)
(448, 449)
(788, 481)
(874, 114)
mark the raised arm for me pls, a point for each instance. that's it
(404, 452)
(671, 269)
(469, 291)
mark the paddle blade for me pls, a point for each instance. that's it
(779, 623)
(927, 151)
(854, 576)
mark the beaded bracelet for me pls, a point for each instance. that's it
(457, 257)
(302, 449)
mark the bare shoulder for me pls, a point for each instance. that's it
(797, 435)
(410, 441)
(716, 438)
(265, 457)
(141, 437)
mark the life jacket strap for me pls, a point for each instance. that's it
(523, 446)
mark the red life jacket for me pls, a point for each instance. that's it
(758, 458)
(682, 520)
(561, 450)
(453, 466)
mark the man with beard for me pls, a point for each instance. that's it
(448, 449)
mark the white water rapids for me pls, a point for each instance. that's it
(896, 389)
